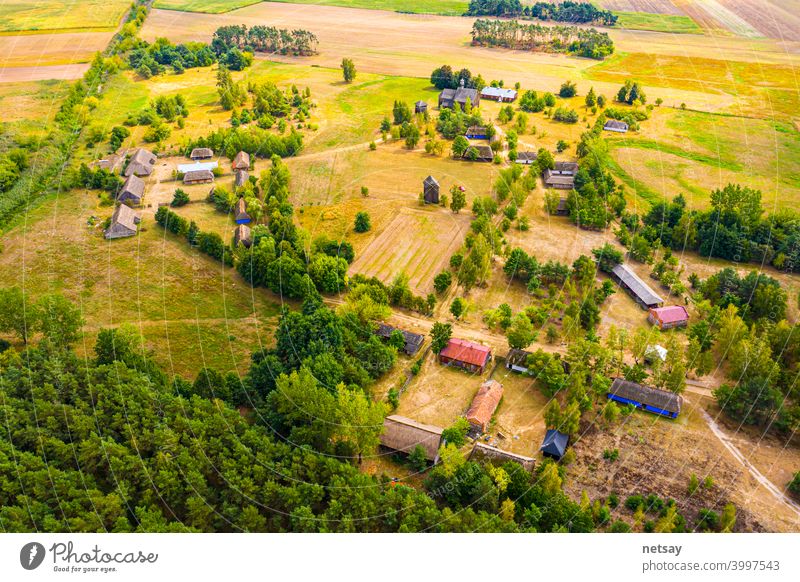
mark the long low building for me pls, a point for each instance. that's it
(196, 166)
(403, 435)
(484, 405)
(650, 399)
(638, 289)
(465, 354)
(498, 94)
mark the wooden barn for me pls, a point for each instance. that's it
(669, 316)
(477, 132)
(198, 177)
(526, 158)
(479, 153)
(650, 399)
(141, 163)
(561, 177)
(430, 190)
(202, 154)
(483, 406)
(466, 355)
(636, 288)
(240, 212)
(617, 126)
(517, 360)
(241, 161)
(403, 435)
(498, 94)
(483, 453)
(554, 444)
(413, 341)
(132, 190)
(124, 223)
(240, 178)
(420, 107)
(242, 235)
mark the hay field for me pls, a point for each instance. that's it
(51, 15)
(779, 19)
(205, 6)
(38, 50)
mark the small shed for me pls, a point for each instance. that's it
(517, 360)
(636, 288)
(404, 435)
(240, 212)
(669, 316)
(242, 235)
(430, 190)
(241, 161)
(420, 107)
(554, 444)
(466, 355)
(198, 177)
(201, 154)
(483, 453)
(477, 132)
(655, 352)
(562, 209)
(617, 126)
(124, 223)
(483, 405)
(240, 178)
(132, 190)
(526, 158)
(650, 399)
(141, 163)
(413, 341)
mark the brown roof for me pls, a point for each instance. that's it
(482, 452)
(242, 235)
(526, 156)
(565, 168)
(241, 177)
(123, 222)
(132, 189)
(403, 434)
(484, 152)
(662, 399)
(141, 163)
(485, 403)
(466, 351)
(198, 176)
(241, 161)
(201, 153)
(552, 180)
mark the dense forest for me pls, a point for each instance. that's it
(584, 42)
(567, 11)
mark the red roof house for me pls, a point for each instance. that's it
(484, 404)
(467, 355)
(669, 316)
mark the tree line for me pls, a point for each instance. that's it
(567, 11)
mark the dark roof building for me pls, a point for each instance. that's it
(638, 289)
(669, 316)
(477, 132)
(420, 107)
(562, 209)
(242, 235)
(430, 190)
(404, 435)
(132, 190)
(558, 181)
(554, 444)
(240, 178)
(241, 161)
(413, 343)
(644, 397)
(614, 125)
(198, 177)
(465, 354)
(484, 404)
(526, 157)
(240, 212)
(517, 360)
(449, 98)
(201, 153)
(482, 153)
(123, 223)
(483, 453)
(565, 168)
(498, 94)
(141, 163)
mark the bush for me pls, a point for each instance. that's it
(362, 223)
(620, 526)
(180, 198)
(634, 502)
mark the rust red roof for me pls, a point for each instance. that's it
(670, 313)
(468, 352)
(485, 403)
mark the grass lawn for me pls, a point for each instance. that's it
(444, 7)
(673, 23)
(33, 15)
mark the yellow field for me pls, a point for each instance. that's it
(46, 15)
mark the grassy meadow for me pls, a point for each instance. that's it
(204, 6)
(52, 15)
(671, 23)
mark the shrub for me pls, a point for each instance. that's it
(362, 223)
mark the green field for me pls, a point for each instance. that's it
(36, 15)
(444, 7)
(658, 22)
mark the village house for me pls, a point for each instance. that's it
(478, 153)
(517, 360)
(483, 453)
(201, 154)
(669, 316)
(498, 94)
(132, 190)
(430, 190)
(562, 176)
(413, 341)
(477, 132)
(466, 355)
(241, 161)
(242, 235)
(526, 158)
(110, 163)
(483, 406)
(403, 435)
(123, 223)
(198, 177)
(449, 98)
(636, 288)
(650, 399)
(420, 107)
(614, 125)
(240, 178)
(240, 212)
(141, 163)
(554, 444)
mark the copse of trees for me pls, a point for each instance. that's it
(445, 77)
(540, 38)
(567, 11)
(267, 39)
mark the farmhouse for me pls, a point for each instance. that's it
(498, 94)
(669, 316)
(240, 212)
(614, 125)
(554, 444)
(449, 98)
(132, 190)
(241, 161)
(420, 107)
(242, 235)
(483, 453)
(110, 163)
(198, 177)
(430, 190)
(465, 354)
(526, 158)
(404, 435)
(483, 405)
(240, 178)
(478, 153)
(562, 176)
(477, 132)
(141, 163)
(638, 289)
(517, 360)
(413, 343)
(649, 399)
(201, 154)
(123, 223)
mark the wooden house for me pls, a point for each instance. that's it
(420, 107)
(413, 341)
(483, 406)
(555, 444)
(132, 190)
(526, 158)
(479, 153)
(240, 212)
(477, 132)
(669, 316)
(430, 190)
(498, 94)
(562, 176)
(141, 163)
(466, 355)
(483, 453)
(403, 435)
(124, 223)
(636, 288)
(241, 161)
(240, 178)
(646, 398)
(202, 154)
(452, 98)
(517, 360)
(198, 177)
(617, 126)
(242, 235)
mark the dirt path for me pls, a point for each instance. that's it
(757, 475)
(339, 150)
